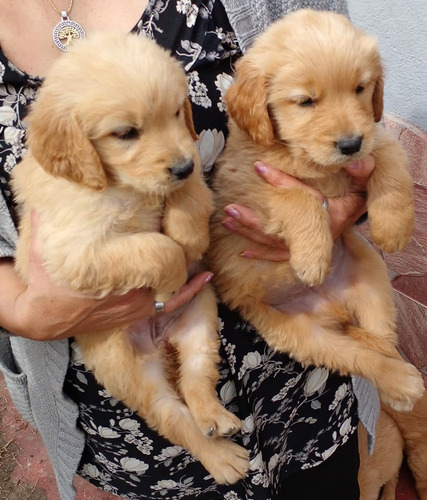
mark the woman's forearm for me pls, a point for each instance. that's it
(10, 289)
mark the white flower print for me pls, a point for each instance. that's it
(189, 9)
(252, 359)
(223, 83)
(91, 470)
(76, 354)
(13, 135)
(29, 93)
(316, 381)
(2, 70)
(227, 392)
(327, 453)
(198, 91)
(170, 452)
(210, 144)
(7, 115)
(108, 433)
(257, 462)
(165, 484)
(339, 395)
(346, 427)
(129, 424)
(231, 495)
(133, 465)
(248, 425)
(9, 163)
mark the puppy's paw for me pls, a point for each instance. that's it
(402, 387)
(172, 273)
(226, 461)
(392, 230)
(216, 421)
(311, 271)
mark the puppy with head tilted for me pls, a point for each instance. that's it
(113, 174)
(307, 99)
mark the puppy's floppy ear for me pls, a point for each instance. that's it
(246, 102)
(378, 97)
(59, 144)
(188, 113)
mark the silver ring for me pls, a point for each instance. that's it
(325, 204)
(159, 306)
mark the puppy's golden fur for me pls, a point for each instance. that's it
(379, 472)
(397, 435)
(306, 99)
(413, 428)
(113, 173)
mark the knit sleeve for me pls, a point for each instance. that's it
(8, 233)
(249, 19)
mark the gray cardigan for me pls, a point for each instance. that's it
(35, 371)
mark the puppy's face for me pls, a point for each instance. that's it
(314, 83)
(114, 112)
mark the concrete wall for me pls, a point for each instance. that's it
(401, 29)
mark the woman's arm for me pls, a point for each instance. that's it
(43, 310)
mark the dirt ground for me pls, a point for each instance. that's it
(11, 488)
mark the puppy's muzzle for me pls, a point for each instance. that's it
(181, 169)
(349, 145)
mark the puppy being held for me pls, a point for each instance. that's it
(307, 99)
(114, 176)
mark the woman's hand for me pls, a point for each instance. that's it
(343, 211)
(43, 310)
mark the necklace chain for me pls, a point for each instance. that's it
(59, 11)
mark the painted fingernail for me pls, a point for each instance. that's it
(208, 277)
(247, 254)
(260, 168)
(232, 212)
(355, 165)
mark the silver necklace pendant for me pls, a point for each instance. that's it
(66, 31)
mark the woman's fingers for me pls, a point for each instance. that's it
(280, 179)
(360, 172)
(187, 291)
(343, 211)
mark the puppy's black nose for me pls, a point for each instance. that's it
(181, 169)
(349, 145)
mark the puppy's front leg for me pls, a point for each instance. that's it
(390, 194)
(139, 260)
(299, 218)
(186, 217)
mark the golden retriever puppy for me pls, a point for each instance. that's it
(413, 428)
(306, 99)
(397, 435)
(113, 173)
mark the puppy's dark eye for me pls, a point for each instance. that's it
(306, 102)
(127, 133)
(360, 89)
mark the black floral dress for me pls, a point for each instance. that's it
(294, 417)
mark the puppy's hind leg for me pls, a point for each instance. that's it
(163, 410)
(197, 342)
(370, 302)
(323, 342)
(141, 382)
